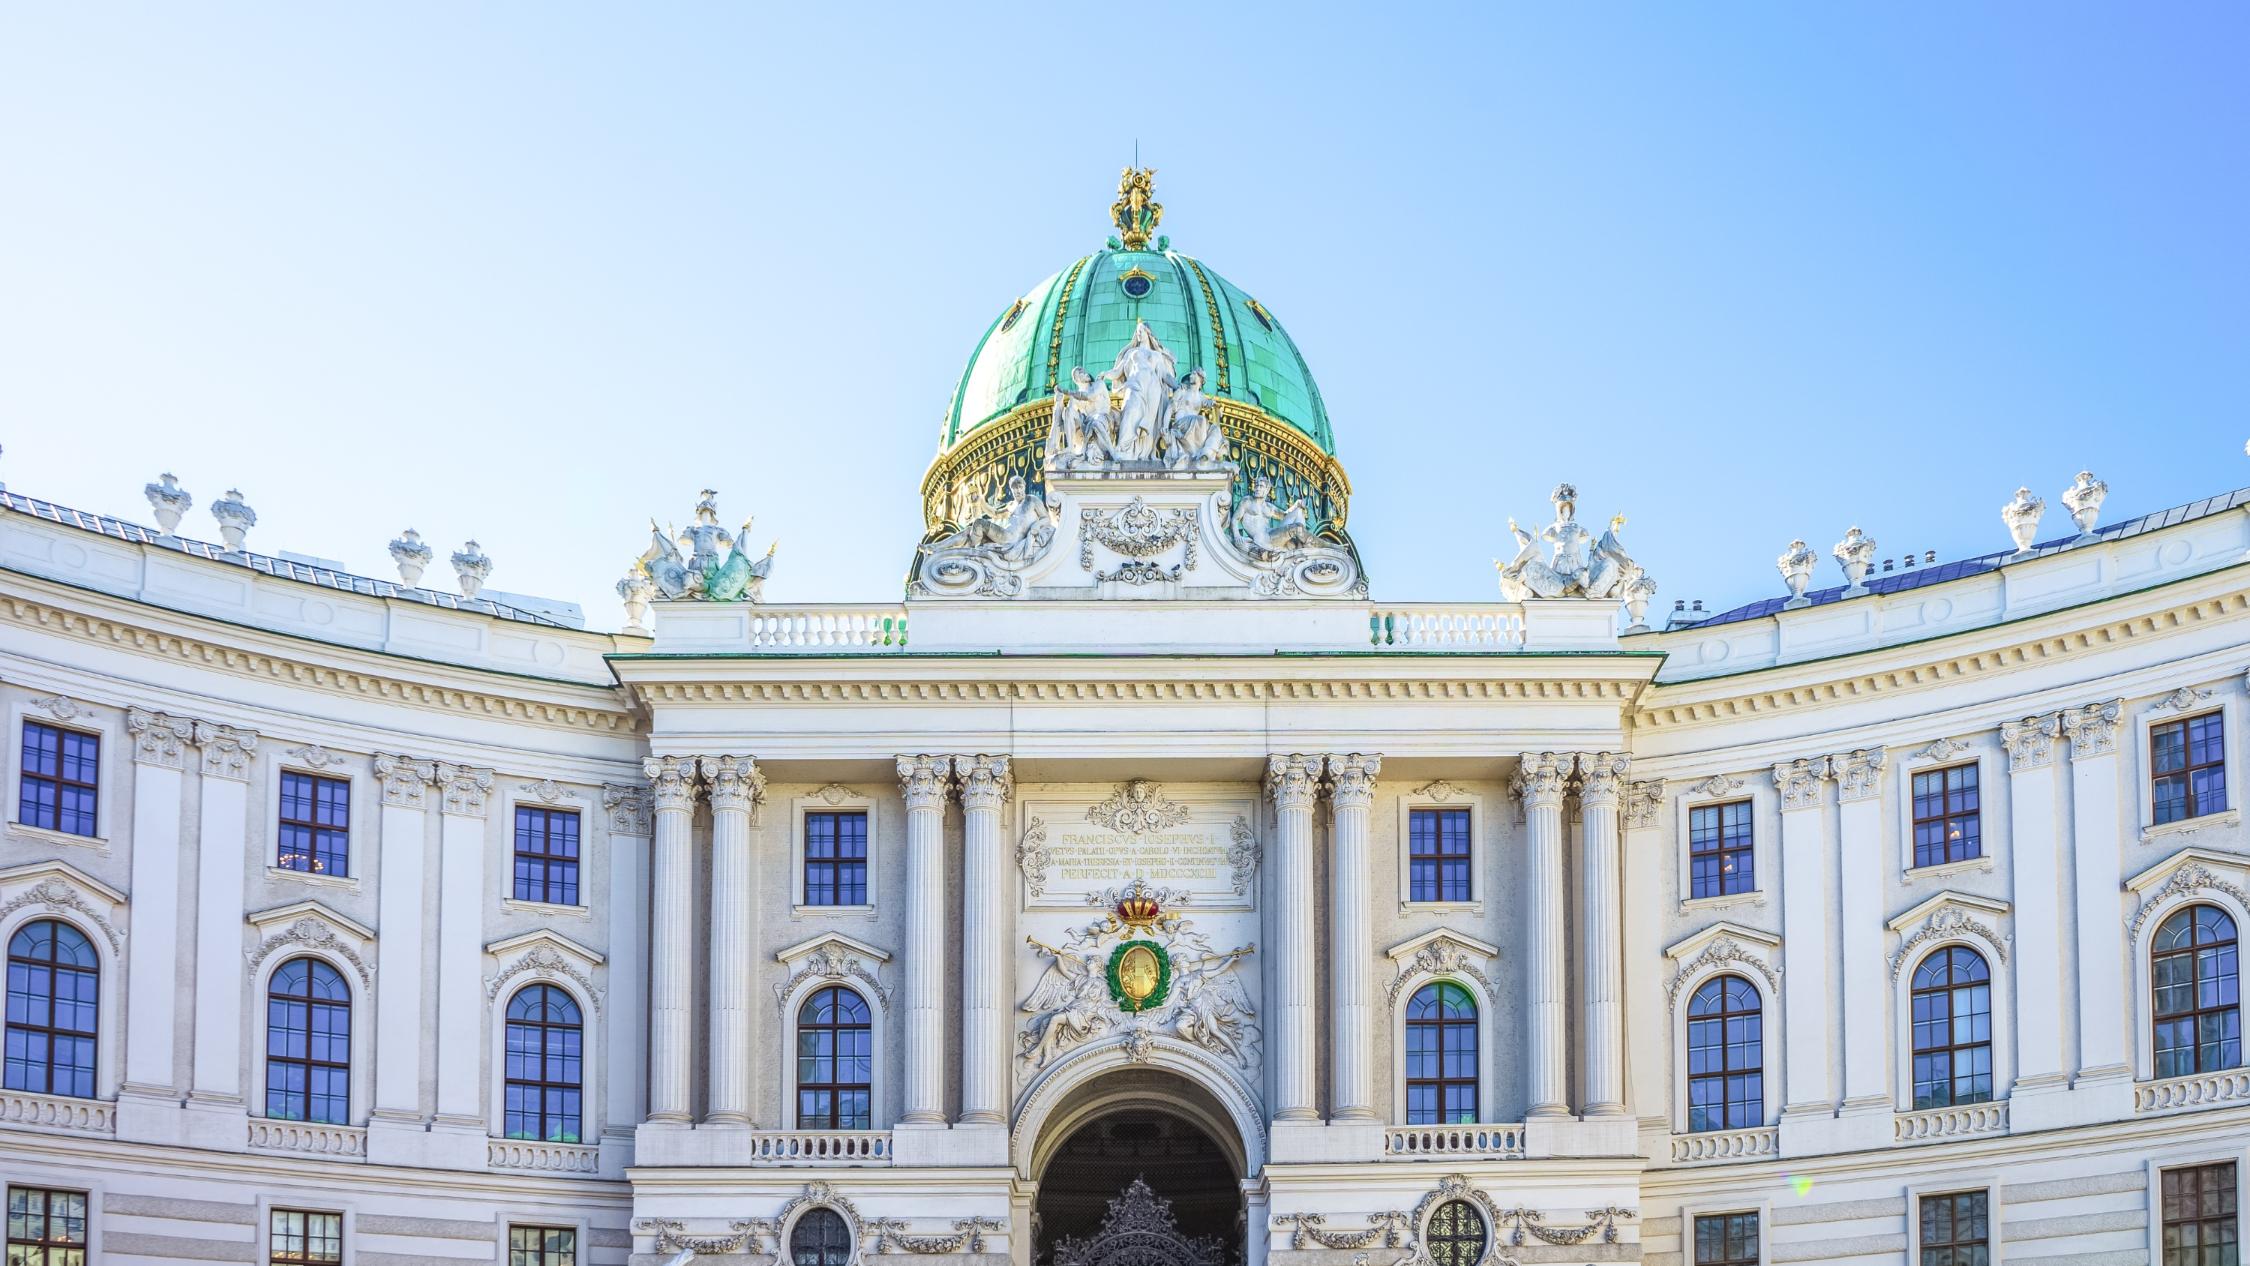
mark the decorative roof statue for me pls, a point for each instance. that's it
(1796, 564)
(981, 555)
(637, 591)
(1136, 213)
(1579, 565)
(1855, 554)
(471, 566)
(2084, 499)
(1193, 440)
(412, 557)
(1140, 416)
(1265, 530)
(2022, 516)
(717, 569)
(1080, 433)
(169, 500)
(1140, 382)
(235, 518)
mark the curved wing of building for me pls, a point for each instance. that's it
(1138, 888)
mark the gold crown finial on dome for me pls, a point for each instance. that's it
(1136, 213)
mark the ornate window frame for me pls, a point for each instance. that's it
(553, 797)
(545, 957)
(363, 802)
(60, 891)
(1952, 918)
(1441, 794)
(112, 767)
(819, 1195)
(835, 798)
(1452, 958)
(1978, 750)
(2192, 876)
(1727, 949)
(334, 939)
(835, 959)
(1765, 839)
(2183, 704)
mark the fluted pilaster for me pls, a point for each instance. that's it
(736, 787)
(1601, 894)
(985, 787)
(923, 781)
(1294, 784)
(671, 931)
(1351, 1018)
(1541, 778)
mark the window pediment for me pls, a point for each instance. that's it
(2188, 873)
(1439, 953)
(544, 951)
(311, 925)
(1950, 916)
(832, 956)
(60, 886)
(1720, 946)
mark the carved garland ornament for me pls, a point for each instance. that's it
(1453, 1187)
(312, 933)
(1720, 953)
(1390, 1229)
(55, 894)
(1947, 923)
(1444, 957)
(1139, 532)
(2185, 881)
(889, 1235)
(542, 958)
(1137, 807)
(831, 962)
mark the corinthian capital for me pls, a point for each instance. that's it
(1799, 781)
(1859, 773)
(671, 781)
(1644, 804)
(158, 738)
(404, 779)
(1601, 778)
(986, 782)
(1293, 781)
(1541, 778)
(628, 809)
(736, 782)
(923, 779)
(2031, 741)
(226, 750)
(1351, 779)
(2093, 728)
(464, 788)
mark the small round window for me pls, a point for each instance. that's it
(820, 1238)
(1456, 1235)
(1137, 284)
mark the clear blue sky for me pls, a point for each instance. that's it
(532, 273)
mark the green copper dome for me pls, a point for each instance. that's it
(1085, 313)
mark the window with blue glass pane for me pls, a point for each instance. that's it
(1952, 1003)
(1719, 850)
(1947, 822)
(1437, 855)
(835, 1062)
(836, 859)
(545, 1072)
(59, 787)
(2188, 768)
(2196, 970)
(308, 1044)
(316, 821)
(1726, 1056)
(54, 984)
(1441, 1056)
(547, 855)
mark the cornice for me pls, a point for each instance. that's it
(243, 658)
(1030, 689)
(1922, 666)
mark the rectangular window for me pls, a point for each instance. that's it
(836, 859)
(2188, 768)
(1956, 1229)
(316, 824)
(306, 1239)
(547, 855)
(1437, 855)
(1726, 1239)
(1946, 817)
(1719, 861)
(46, 1228)
(542, 1246)
(60, 770)
(2199, 1216)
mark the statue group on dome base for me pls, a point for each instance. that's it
(1141, 414)
(717, 567)
(1578, 564)
(996, 536)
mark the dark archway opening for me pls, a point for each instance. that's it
(1174, 1156)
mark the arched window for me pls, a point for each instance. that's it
(2198, 1003)
(53, 986)
(835, 1059)
(308, 1044)
(1952, 1029)
(1726, 1051)
(820, 1237)
(1441, 1056)
(545, 1066)
(1456, 1235)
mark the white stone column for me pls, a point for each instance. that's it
(985, 788)
(1352, 1026)
(152, 983)
(1601, 934)
(2097, 852)
(735, 788)
(2035, 856)
(923, 781)
(1294, 783)
(626, 1077)
(221, 861)
(1643, 935)
(401, 931)
(1806, 1016)
(463, 794)
(1867, 1002)
(671, 935)
(1541, 779)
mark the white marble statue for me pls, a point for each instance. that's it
(718, 567)
(1265, 529)
(1578, 563)
(2022, 515)
(1143, 377)
(1796, 564)
(1855, 554)
(1192, 438)
(2083, 498)
(1081, 431)
(1014, 530)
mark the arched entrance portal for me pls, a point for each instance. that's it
(1138, 1168)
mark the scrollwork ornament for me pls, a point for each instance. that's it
(1137, 807)
(1644, 804)
(835, 962)
(312, 933)
(1944, 924)
(2092, 729)
(628, 809)
(1724, 951)
(1243, 854)
(1798, 781)
(1032, 857)
(55, 894)
(1442, 957)
(159, 739)
(2187, 880)
(2031, 741)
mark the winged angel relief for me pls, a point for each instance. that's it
(1101, 979)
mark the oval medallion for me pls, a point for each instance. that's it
(1138, 973)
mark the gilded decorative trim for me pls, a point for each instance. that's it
(1218, 331)
(1062, 310)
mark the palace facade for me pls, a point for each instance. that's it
(1138, 888)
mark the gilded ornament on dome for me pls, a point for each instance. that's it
(1136, 213)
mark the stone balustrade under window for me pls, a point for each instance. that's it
(2198, 1090)
(535, 1156)
(1967, 1120)
(1450, 1141)
(820, 1147)
(21, 1109)
(1756, 1143)
(306, 1138)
